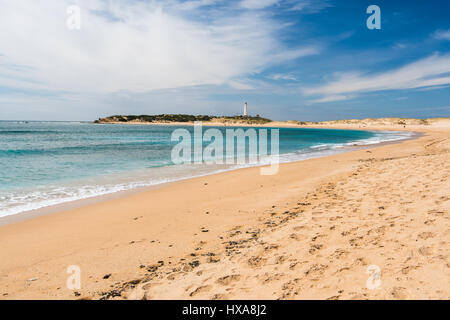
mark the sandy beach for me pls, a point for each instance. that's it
(319, 229)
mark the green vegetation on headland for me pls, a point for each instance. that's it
(168, 118)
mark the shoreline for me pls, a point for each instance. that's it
(333, 124)
(308, 232)
(79, 203)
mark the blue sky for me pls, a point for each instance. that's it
(289, 59)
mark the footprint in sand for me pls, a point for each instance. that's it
(219, 296)
(227, 280)
(399, 293)
(199, 290)
(426, 235)
(426, 251)
(256, 262)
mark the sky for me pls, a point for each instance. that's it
(307, 60)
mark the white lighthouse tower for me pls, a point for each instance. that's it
(245, 110)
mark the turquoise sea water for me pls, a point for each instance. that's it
(46, 163)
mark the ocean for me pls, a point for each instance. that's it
(48, 163)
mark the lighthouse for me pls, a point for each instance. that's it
(245, 110)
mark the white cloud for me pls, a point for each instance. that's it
(287, 55)
(434, 88)
(278, 76)
(240, 84)
(399, 45)
(428, 72)
(310, 6)
(258, 4)
(442, 34)
(194, 4)
(332, 98)
(134, 46)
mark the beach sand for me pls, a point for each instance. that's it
(316, 230)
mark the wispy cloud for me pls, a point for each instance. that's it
(310, 6)
(258, 4)
(243, 84)
(332, 98)
(194, 4)
(302, 6)
(442, 34)
(428, 72)
(399, 45)
(279, 76)
(135, 46)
